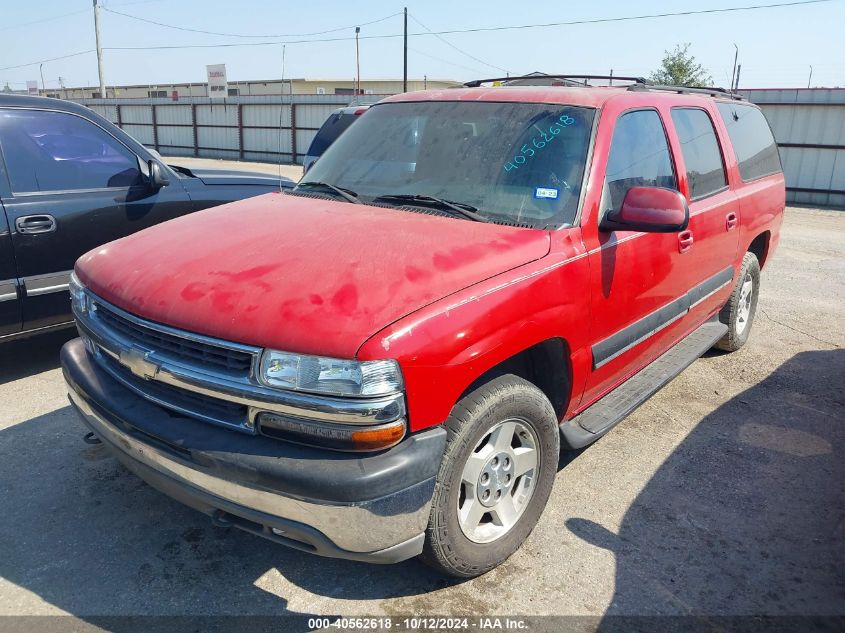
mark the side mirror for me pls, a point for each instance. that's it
(649, 209)
(158, 177)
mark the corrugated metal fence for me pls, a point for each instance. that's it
(809, 127)
(239, 128)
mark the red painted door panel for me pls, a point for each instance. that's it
(710, 260)
(633, 276)
(714, 208)
(636, 278)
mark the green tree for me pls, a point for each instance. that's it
(679, 68)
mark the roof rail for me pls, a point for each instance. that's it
(710, 90)
(475, 83)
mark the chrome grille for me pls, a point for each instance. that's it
(194, 404)
(232, 361)
(207, 378)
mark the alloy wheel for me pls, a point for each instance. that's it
(743, 312)
(498, 481)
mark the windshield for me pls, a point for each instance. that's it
(512, 162)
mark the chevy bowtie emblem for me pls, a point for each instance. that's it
(138, 362)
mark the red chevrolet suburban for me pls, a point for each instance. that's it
(385, 361)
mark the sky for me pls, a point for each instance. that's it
(777, 46)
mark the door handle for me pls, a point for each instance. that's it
(31, 224)
(684, 241)
(731, 220)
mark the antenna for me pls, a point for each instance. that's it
(281, 115)
(733, 73)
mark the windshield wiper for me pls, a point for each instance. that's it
(347, 194)
(460, 208)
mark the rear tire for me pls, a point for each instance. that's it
(495, 478)
(738, 313)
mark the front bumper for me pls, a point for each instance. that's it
(371, 507)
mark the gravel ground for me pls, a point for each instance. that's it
(722, 495)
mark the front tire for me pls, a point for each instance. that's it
(738, 313)
(497, 473)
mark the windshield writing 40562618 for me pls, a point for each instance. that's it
(527, 151)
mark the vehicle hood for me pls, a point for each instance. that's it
(235, 177)
(300, 274)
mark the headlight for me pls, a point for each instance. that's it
(78, 296)
(330, 376)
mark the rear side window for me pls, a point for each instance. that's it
(329, 132)
(700, 147)
(752, 139)
(55, 151)
(639, 157)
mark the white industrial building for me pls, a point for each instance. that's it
(258, 87)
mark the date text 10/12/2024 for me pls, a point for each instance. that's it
(419, 623)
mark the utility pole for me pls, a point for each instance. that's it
(405, 55)
(736, 83)
(810, 78)
(357, 65)
(41, 70)
(99, 49)
(733, 73)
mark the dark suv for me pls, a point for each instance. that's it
(333, 127)
(70, 181)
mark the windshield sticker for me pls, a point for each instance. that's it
(547, 193)
(539, 142)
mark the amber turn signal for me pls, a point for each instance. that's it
(341, 437)
(378, 438)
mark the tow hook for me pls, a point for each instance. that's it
(219, 518)
(90, 438)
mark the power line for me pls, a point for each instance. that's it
(462, 52)
(488, 29)
(226, 45)
(52, 59)
(55, 17)
(447, 32)
(631, 17)
(444, 61)
(23, 83)
(251, 35)
(129, 4)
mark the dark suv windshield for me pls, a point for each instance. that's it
(513, 162)
(329, 131)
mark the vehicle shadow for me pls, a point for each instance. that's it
(90, 538)
(747, 515)
(30, 356)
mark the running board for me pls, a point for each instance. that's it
(611, 409)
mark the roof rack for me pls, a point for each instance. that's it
(710, 90)
(639, 83)
(475, 83)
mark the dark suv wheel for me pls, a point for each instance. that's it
(497, 472)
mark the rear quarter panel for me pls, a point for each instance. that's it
(761, 205)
